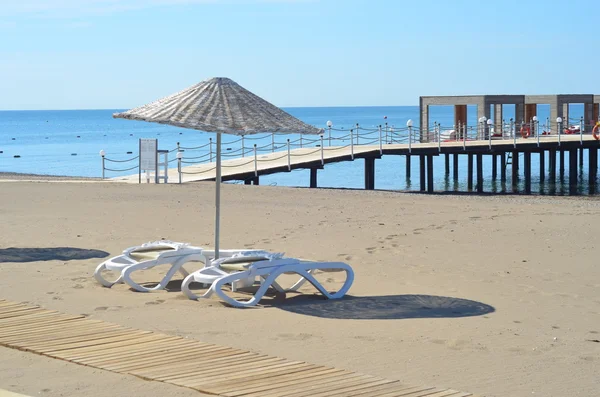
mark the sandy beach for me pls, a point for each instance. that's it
(494, 295)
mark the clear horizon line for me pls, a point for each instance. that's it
(281, 107)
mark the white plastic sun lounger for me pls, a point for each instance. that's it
(153, 254)
(245, 270)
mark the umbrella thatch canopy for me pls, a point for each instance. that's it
(219, 105)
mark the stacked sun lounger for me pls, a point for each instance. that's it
(234, 269)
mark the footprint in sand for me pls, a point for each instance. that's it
(78, 286)
(156, 302)
(301, 336)
(107, 308)
(80, 279)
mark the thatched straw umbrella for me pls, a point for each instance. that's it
(219, 105)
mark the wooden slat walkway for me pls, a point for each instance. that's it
(208, 368)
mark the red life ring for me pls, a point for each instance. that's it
(525, 131)
(596, 130)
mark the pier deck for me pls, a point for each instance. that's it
(249, 168)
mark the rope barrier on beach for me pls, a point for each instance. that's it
(121, 161)
(123, 170)
(199, 172)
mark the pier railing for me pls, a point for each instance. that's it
(332, 139)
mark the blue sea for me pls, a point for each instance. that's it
(68, 142)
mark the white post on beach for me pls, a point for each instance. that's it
(558, 127)
(179, 157)
(322, 158)
(289, 158)
(243, 147)
(210, 148)
(513, 131)
(409, 124)
(489, 124)
(536, 129)
(581, 127)
(329, 125)
(352, 144)
(380, 143)
(255, 161)
(386, 133)
(272, 142)
(102, 154)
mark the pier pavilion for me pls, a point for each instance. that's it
(491, 107)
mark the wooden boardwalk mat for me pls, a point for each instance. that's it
(211, 369)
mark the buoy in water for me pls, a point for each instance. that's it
(181, 133)
(14, 139)
(73, 154)
(129, 152)
(130, 134)
(228, 148)
(1, 151)
(17, 156)
(46, 137)
(78, 136)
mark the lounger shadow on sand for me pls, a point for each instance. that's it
(391, 307)
(21, 255)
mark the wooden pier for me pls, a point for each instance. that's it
(250, 169)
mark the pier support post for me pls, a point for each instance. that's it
(455, 166)
(430, 173)
(572, 172)
(470, 172)
(313, 177)
(494, 166)
(247, 181)
(251, 181)
(479, 173)
(593, 168)
(552, 166)
(503, 167)
(542, 166)
(515, 171)
(527, 170)
(422, 172)
(408, 166)
(447, 163)
(370, 173)
(561, 164)
(581, 158)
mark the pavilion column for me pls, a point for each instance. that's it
(519, 114)
(498, 116)
(424, 125)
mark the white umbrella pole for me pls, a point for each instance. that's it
(218, 197)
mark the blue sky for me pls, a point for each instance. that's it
(77, 54)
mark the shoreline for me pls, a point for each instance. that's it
(17, 176)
